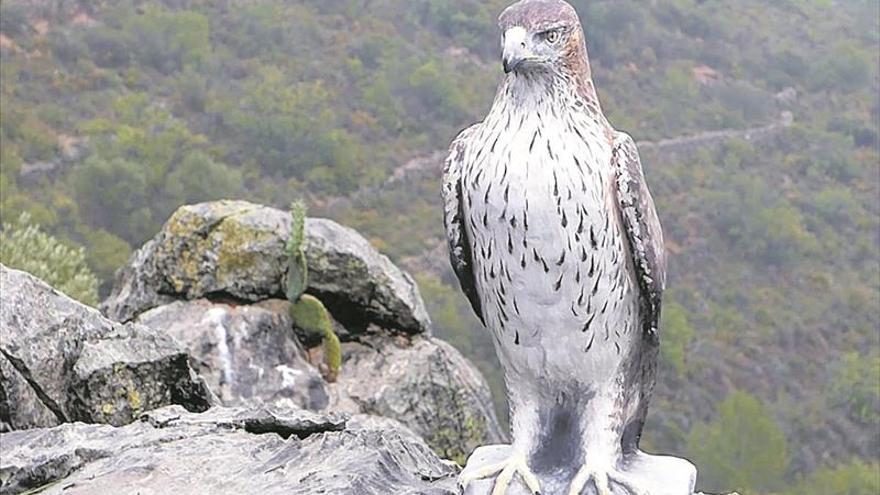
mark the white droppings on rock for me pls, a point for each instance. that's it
(288, 376)
(238, 347)
(215, 317)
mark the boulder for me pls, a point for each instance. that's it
(20, 406)
(225, 451)
(247, 353)
(425, 384)
(237, 250)
(61, 361)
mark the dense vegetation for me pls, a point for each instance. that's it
(114, 113)
(25, 246)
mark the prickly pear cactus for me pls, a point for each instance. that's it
(297, 269)
(310, 315)
(308, 312)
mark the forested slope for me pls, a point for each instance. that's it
(114, 113)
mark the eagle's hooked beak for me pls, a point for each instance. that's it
(516, 50)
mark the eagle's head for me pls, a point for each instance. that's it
(542, 36)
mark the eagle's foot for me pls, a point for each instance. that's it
(505, 472)
(603, 479)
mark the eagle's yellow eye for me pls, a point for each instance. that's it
(552, 36)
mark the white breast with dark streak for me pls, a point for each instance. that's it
(549, 255)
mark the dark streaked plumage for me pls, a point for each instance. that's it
(588, 254)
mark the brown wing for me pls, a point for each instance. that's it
(649, 261)
(453, 218)
(642, 226)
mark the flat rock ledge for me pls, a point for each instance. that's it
(226, 451)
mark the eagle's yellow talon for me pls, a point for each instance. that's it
(506, 471)
(601, 479)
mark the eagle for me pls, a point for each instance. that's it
(556, 242)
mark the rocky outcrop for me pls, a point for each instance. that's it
(247, 353)
(226, 451)
(248, 356)
(425, 384)
(61, 361)
(236, 250)
(212, 277)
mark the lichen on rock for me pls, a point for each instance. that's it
(238, 250)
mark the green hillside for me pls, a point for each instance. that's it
(113, 113)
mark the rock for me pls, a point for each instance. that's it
(360, 422)
(425, 384)
(657, 475)
(225, 451)
(247, 354)
(212, 278)
(237, 249)
(285, 421)
(787, 96)
(61, 361)
(20, 406)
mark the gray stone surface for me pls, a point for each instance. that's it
(425, 384)
(20, 406)
(237, 249)
(248, 354)
(646, 474)
(62, 361)
(225, 451)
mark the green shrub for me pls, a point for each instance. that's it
(854, 478)
(847, 68)
(836, 205)
(105, 253)
(24, 246)
(855, 387)
(676, 334)
(109, 48)
(199, 178)
(67, 47)
(742, 448)
(169, 41)
(113, 194)
(292, 129)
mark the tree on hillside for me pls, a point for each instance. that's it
(742, 448)
(854, 478)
